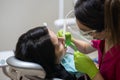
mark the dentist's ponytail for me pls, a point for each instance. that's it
(112, 20)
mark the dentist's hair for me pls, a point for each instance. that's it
(90, 13)
(112, 20)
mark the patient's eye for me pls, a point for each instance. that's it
(60, 41)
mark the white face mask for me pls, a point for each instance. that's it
(87, 35)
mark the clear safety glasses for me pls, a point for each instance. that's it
(87, 34)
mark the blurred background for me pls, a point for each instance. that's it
(18, 16)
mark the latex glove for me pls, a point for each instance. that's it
(84, 64)
(68, 37)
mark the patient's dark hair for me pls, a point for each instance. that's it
(90, 13)
(36, 46)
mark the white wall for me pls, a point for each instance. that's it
(17, 16)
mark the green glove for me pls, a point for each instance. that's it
(60, 33)
(68, 37)
(84, 64)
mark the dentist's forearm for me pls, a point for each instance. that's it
(83, 46)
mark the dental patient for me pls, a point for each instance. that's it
(40, 45)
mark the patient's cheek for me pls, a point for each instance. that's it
(60, 53)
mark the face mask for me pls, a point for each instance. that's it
(87, 35)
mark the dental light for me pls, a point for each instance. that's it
(69, 22)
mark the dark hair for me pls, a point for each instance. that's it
(112, 20)
(90, 13)
(36, 46)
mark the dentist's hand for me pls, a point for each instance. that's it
(84, 64)
(68, 37)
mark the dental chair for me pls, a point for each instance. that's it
(21, 70)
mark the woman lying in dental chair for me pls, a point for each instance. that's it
(40, 45)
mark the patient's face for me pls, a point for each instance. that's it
(59, 44)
